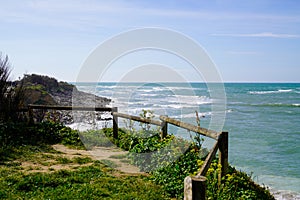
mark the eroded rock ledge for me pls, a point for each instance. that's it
(44, 90)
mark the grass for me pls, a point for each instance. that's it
(96, 181)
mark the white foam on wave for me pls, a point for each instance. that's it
(271, 91)
(201, 114)
(285, 195)
(191, 100)
(281, 187)
(186, 88)
(106, 86)
(288, 90)
(172, 106)
(82, 126)
(149, 95)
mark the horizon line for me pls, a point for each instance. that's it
(248, 82)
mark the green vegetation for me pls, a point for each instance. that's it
(170, 175)
(83, 178)
(39, 89)
(19, 133)
(46, 84)
(11, 96)
(94, 138)
(87, 182)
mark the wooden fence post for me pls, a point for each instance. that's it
(223, 154)
(30, 115)
(195, 188)
(164, 129)
(115, 123)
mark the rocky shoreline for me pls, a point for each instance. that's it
(44, 90)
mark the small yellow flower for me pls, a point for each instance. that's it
(210, 170)
(200, 163)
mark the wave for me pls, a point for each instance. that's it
(285, 195)
(277, 105)
(271, 91)
(191, 115)
(242, 104)
(150, 95)
(201, 114)
(187, 88)
(282, 187)
(177, 106)
(106, 86)
(192, 100)
(144, 88)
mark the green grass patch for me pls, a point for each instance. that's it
(89, 182)
(82, 160)
(63, 160)
(85, 183)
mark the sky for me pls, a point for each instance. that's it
(249, 41)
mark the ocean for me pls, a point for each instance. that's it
(263, 121)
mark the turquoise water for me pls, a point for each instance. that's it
(263, 120)
(264, 128)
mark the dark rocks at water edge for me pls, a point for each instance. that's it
(44, 90)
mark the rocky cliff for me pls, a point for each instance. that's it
(45, 90)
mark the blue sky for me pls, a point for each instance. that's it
(249, 41)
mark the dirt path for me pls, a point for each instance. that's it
(112, 156)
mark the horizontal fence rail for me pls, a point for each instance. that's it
(137, 118)
(190, 127)
(79, 108)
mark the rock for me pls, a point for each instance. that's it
(44, 90)
(34, 96)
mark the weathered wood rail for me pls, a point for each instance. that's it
(77, 108)
(195, 187)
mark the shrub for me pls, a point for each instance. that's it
(92, 138)
(157, 156)
(48, 132)
(11, 96)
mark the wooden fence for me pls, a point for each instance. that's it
(195, 187)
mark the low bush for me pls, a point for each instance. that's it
(19, 133)
(93, 138)
(157, 156)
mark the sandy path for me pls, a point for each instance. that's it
(104, 154)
